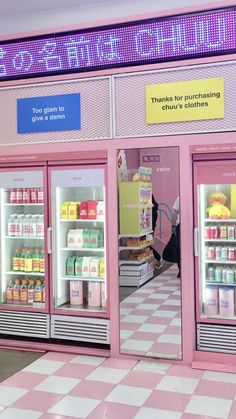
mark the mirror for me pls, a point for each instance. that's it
(149, 286)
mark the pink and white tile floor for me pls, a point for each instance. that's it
(60, 386)
(150, 318)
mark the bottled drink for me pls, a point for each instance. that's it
(43, 291)
(33, 195)
(31, 291)
(19, 196)
(22, 259)
(16, 260)
(33, 225)
(9, 292)
(11, 225)
(40, 226)
(38, 293)
(26, 225)
(40, 196)
(24, 292)
(16, 292)
(13, 196)
(26, 196)
(41, 261)
(35, 261)
(28, 261)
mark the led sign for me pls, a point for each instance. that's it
(144, 42)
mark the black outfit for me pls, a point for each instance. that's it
(177, 232)
(154, 220)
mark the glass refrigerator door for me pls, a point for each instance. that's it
(78, 225)
(217, 245)
(22, 239)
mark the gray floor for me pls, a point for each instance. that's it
(12, 361)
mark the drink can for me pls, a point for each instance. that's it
(211, 274)
(218, 253)
(211, 253)
(230, 276)
(214, 232)
(13, 196)
(19, 196)
(26, 196)
(230, 232)
(223, 232)
(40, 196)
(218, 274)
(224, 253)
(231, 252)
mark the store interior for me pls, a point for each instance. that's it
(149, 287)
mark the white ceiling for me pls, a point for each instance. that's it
(17, 16)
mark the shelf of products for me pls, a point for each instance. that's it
(22, 246)
(136, 261)
(79, 245)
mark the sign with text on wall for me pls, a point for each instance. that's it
(190, 100)
(49, 113)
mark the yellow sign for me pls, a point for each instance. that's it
(191, 100)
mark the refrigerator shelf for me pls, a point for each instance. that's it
(80, 220)
(224, 262)
(82, 278)
(219, 241)
(227, 220)
(24, 237)
(221, 284)
(135, 262)
(83, 249)
(25, 273)
(143, 233)
(23, 204)
(82, 307)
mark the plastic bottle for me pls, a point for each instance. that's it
(40, 196)
(22, 259)
(43, 291)
(9, 292)
(38, 293)
(26, 225)
(33, 225)
(40, 226)
(19, 225)
(16, 260)
(28, 261)
(35, 262)
(31, 291)
(16, 292)
(24, 292)
(11, 225)
(41, 261)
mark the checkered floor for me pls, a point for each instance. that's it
(60, 386)
(150, 319)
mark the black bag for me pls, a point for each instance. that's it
(171, 250)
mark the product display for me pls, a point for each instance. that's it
(136, 237)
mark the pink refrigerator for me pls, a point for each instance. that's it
(53, 253)
(215, 253)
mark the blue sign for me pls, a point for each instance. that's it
(49, 113)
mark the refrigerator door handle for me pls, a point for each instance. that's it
(49, 244)
(195, 235)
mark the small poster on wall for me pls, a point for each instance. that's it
(190, 100)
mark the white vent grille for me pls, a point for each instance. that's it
(84, 329)
(216, 338)
(24, 324)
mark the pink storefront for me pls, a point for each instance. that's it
(83, 111)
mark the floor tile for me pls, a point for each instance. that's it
(87, 360)
(211, 406)
(60, 385)
(52, 416)
(223, 377)
(165, 313)
(153, 366)
(9, 395)
(185, 371)
(11, 413)
(142, 379)
(145, 306)
(134, 300)
(178, 384)
(129, 395)
(149, 327)
(119, 363)
(167, 400)
(37, 400)
(24, 379)
(108, 375)
(92, 389)
(168, 338)
(108, 410)
(216, 389)
(44, 366)
(148, 413)
(125, 334)
(77, 407)
(136, 345)
(58, 356)
(134, 319)
(74, 370)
